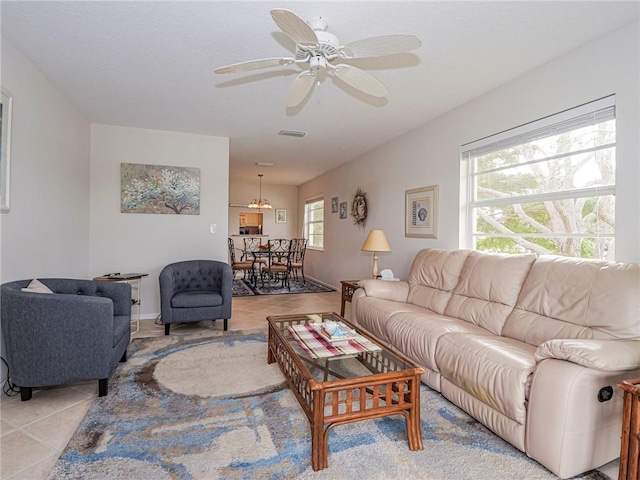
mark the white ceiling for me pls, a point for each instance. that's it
(150, 65)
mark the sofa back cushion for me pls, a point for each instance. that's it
(488, 288)
(576, 298)
(433, 276)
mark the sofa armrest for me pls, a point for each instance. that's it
(396, 291)
(603, 355)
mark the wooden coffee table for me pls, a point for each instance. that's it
(358, 387)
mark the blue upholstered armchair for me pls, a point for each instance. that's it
(79, 332)
(195, 290)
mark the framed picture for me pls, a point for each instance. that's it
(281, 215)
(343, 210)
(6, 111)
(159, 189)
(334, 205)
(421, 212)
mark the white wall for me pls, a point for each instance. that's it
(46, 232)
(135, 242)
(280, 196)
(430, 155)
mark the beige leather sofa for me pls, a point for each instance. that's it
(524, 344)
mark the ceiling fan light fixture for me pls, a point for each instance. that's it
(318, 48)
(260, 202)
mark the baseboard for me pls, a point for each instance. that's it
(323, 283)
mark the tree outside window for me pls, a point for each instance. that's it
(553, 193)
(314, 223)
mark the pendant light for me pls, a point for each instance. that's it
(260, 203)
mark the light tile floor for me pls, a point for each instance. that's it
(34, 433)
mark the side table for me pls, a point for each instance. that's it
(348, 287)
(133, 279)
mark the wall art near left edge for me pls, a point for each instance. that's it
(6, 112)
(159, 189)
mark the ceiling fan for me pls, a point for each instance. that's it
(319, 49)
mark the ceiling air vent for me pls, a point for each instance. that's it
(292, 133)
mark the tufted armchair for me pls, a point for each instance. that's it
(195, 290)
(78, 332)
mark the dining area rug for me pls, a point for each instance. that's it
(196, 407)
(243, 287)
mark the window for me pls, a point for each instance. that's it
(314, 223)
(546, 187)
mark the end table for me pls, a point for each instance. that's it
(348, 287)
(133, 279)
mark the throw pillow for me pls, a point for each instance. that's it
(37, 286)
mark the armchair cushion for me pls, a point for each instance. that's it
(196, 298)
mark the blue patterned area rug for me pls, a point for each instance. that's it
(244, 288)
(211, 408)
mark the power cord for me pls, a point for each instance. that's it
(8, 387)
(158, 320)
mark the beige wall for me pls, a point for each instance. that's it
(430, 155)
(280, 196)
(135, 242)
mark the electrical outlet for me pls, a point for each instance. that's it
(213, 228)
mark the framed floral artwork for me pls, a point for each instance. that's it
(159, 189)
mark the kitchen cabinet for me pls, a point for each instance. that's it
(250, 219)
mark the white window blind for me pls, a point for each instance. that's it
(547, 186)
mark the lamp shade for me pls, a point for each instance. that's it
(376, 242)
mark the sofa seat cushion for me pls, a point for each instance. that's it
(374, 313)
(495, 370)
(195, 298)
(416, 335)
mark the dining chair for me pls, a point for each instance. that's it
(253, 249)
(243, 266)
(297, 258)
(278, 266)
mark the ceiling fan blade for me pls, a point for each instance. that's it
(294, 26)
(300, 88)
(361, 80)
(254, 65)
(382, 45)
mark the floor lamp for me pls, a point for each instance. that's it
(376, 242)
